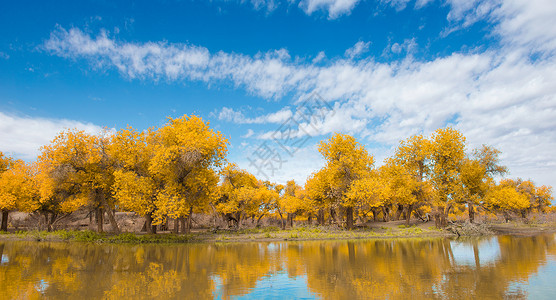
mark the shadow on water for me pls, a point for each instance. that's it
(495, 267)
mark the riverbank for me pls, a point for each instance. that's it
(394, 229)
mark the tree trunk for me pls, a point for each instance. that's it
(309, 219)
(349, 217)
(398, 212)
(471, 210)
(290, 219)
(91, 220)
(238, 219)
(164, 225)
(176, 225)
(50, 222)
(5, 214)
(320, 217)
(182, 225)
(385, 214)
(112, 219)
(99, 214)
(151, 229)
(45, 215)
(259, 219)
(189, 219)
(333, 216)
(408, 214)
(282, 223)
(441, 216)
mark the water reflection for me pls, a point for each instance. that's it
(498, 267)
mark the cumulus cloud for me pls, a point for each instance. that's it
(528, 25)
(248, 134)
(22, 137)
(357, 49)
(320, 56)
(334, 8)
(409, 46)
(268, 74)
(500, 96)
(230, 115)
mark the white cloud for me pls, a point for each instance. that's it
(248, 134)
(335, 8)
(470, 11)
(407, 47)
(499, 96)
(397, 4)
(268, 74)
(357, 49)
(319, 57)
(230, 115)
(268, 5)
(422, 3)
(283, 166)
(22, 137)
(528, 24)
(524, 24)
(4, 55)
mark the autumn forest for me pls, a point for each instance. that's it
(181, 169)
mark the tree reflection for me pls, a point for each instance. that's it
(334, 270)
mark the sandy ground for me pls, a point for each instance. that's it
(130, 222)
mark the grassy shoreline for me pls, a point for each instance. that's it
(272, 234)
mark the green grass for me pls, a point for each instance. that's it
(91, 236)
(255, 230)
(248, 234)
(293, 235)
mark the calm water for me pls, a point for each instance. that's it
(496, 267)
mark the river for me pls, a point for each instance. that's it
(480, 268)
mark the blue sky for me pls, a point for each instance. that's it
(385, 69)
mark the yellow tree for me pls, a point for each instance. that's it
(539, 197)
(317, 189)
(81, 171)
(187, 155)
(5, 164)
(448, 146)
(135, 186)
(504, 197)
(58, 197)
(409, 170)
(304, 205)
(236, 192)
(371, 193)
(346, 161)
(477, 174)
(289, 201)
(258, 200)
(18, 190)
(543, 197)
(407, 191)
